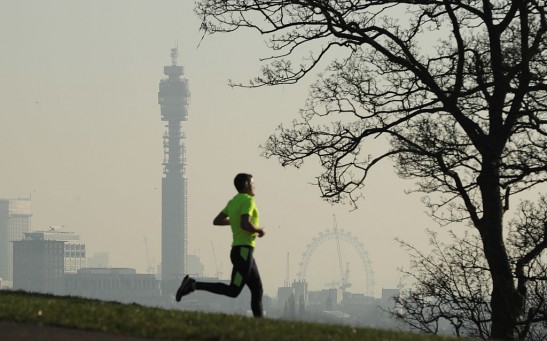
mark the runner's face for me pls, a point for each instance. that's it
(250, 187)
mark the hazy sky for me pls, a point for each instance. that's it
(80, 131)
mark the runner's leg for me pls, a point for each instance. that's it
(241, 257)
(255, 284)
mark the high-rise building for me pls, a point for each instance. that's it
(74, 249)
(41, 259)
(173, 97)
(15, 220)
(38, 265)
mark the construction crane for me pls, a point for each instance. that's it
(345, 280)
(287, 272)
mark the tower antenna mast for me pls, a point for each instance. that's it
(174, 56)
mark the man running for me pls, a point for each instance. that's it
(242, 215)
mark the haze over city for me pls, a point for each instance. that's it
(80, 132)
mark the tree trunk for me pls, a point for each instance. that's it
(506, 302)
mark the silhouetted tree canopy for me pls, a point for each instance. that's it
(456, 88)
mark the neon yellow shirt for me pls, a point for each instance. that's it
(239, 205)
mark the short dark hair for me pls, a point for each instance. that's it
(240, 180)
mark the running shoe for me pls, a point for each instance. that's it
(186, 287)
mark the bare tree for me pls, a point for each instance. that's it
(450, 287)
(457, 87)
(527, 245)
(451, 284)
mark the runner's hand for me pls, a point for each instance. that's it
(261, 232)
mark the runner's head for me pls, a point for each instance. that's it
(244, 183)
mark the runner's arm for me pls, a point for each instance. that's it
(221, 219)
(246, 224)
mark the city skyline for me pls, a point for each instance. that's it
(81, 134)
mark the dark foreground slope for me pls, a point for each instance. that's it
(26, 316)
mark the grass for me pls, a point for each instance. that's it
(155, 323)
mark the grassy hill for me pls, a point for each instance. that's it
(154, 323)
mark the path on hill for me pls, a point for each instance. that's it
(22, 332)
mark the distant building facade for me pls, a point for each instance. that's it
(114, 284)
(292, 300)
(15, 220)
(74, 250)
(334, 305)
(42, 258)
(284, 295)
(38, 265)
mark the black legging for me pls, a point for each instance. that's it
(244, 272)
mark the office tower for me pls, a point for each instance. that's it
(42, 258)
(173, 97)
(15, 219)
(74, 250)
(38, 265)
